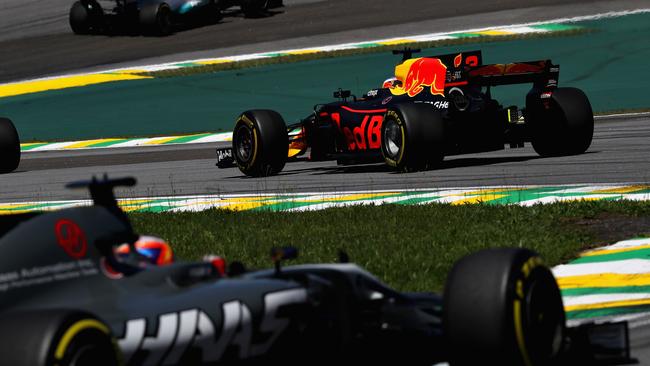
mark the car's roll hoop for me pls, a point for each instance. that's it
(101, 190)
(406, 52)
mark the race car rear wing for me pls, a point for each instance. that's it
(466, 68)
(536, 72)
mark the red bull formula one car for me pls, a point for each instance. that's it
(433, 107)
(9, 146)
(71, 295)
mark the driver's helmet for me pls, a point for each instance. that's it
(155, 250)
(391, 82)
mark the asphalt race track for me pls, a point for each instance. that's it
(36, 41)
(619, 154)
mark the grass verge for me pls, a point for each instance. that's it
(409, 247)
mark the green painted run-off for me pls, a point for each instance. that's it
(609, 63)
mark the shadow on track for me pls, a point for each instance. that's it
(383, 168)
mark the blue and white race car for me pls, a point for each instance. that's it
(156, 17)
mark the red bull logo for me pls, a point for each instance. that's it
(458, 60)
(417, 73)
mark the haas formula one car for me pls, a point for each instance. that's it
(434, 106)
(70, 296)
(156, 17)
(9, 146)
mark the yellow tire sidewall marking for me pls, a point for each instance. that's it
(395, 162)
(255, 148)
(519, 333)
(74, 330)
(526, 269)
(244, 118)
(248, 122)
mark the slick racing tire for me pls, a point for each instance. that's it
(57, 338)
(253, 8)
(156, 20)
(503, 307)
(412, 137)
(85, 17)
(9, 146)
(566, 127)
(213, 13)
(260, 143)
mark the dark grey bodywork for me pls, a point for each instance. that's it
(191, 314)
(186, 313)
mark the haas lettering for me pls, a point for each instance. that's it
(178, 332)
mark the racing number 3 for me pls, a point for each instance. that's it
(366, 136)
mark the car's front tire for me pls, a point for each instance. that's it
(156, 20)
(260, 143)
(85, 17)
(213, 13)
(503, 307)
(61, 338)
(412, 137)
(564, 126)
(9, 146)
(253, 8)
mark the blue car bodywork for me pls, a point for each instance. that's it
(156, 17)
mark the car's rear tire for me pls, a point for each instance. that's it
(85, 18)
(254, 8)
(260, 143)
(9, 146)
(213, 13)
(412, 137)
(156, 20)
(62, 338)
(503, 307)
(566, 127)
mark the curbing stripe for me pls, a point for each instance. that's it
(136, 73)
(579, 291)
(621, 267)
(127, 142)
(619, 249)
(64, 82)
(614, 255)
(612, 300)
(610, 304)
(313, 201)
(621, 313)
(606, 280)
(609, 281)
(92, 143)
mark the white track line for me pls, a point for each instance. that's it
(629, 266)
